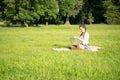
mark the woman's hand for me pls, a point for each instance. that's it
(76, 37)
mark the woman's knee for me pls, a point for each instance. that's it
(80, 46)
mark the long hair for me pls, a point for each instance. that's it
(83, 33)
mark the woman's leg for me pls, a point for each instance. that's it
(86, 47)
(80, 47)
(73, 46)
(77, 47)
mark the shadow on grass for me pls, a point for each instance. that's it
(19, 26)
(5, 26)
(60, 46)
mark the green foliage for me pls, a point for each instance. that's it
(78, 4)
(79, 11)
(1, 16)
(9, 10)
(112, 13)
(2, 5)
(50, 9)
(24, 16)
(26, 54)
(96, 8)
(70, 7)
(90, 18)
(66, 7)
(23, 11)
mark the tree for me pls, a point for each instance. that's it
(38, 10)
(90, 18)
(9, 11)
(43, 11)
(51, 9)
(30, 12)
(94, 8)
(112, 13)
(25, 12)
(17, 11)
(70, 8)
(2, 5)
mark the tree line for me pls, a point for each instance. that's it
(35, 12)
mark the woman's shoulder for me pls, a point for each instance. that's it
(86, 33)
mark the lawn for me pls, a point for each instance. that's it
(27, 54)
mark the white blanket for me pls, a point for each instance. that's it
(61, 49)
(94, 48)
(91, 48)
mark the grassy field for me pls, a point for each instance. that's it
(26, 53)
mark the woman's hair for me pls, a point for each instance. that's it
(83, 26)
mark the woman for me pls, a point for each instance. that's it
(84, 38)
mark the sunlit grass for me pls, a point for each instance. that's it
(26, 53)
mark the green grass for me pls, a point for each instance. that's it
(26, 53)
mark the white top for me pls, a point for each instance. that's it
(84, 39)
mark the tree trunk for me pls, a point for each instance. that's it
(37, 24)
(67, 21)
(8, 23)
(26, 25)
(46, 22)
(90, 22)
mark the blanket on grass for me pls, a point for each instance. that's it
(91, 48)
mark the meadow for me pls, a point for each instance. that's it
(27, 54)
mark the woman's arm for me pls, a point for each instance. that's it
(86, 37)
(76, 37)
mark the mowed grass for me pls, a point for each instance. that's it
(27, 54)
